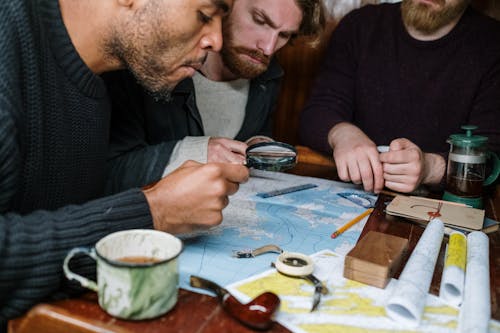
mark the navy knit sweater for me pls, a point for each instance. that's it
(54, 118)
(376, 76)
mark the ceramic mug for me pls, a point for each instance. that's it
(137, 272)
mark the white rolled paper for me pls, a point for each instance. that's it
(476, 307)
(452, 280)
(407, 302)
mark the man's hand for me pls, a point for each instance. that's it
(258, 139)
(356, 157)
(224, 150)
(406, 166)
(194, 195)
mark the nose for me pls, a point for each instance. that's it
(267, 44)
(212, 38)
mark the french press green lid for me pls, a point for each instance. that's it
(467, 140)
(466, 167)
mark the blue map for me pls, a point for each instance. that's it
(300, 221)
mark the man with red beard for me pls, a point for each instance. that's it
(405, 75)
(231, 97)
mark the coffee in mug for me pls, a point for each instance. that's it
(137, 272)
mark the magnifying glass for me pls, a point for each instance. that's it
(271, 156)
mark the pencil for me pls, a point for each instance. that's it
(351, 222)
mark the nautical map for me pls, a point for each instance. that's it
(350, 307)
(297, 222)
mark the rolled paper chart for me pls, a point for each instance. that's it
(452, 280)
(475, 311)
(406, 304)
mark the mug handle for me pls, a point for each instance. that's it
(495, 171)
(86, 283)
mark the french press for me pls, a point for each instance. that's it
(467, 167)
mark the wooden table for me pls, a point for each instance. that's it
(201, 313)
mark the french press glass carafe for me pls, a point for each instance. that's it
(467, 166)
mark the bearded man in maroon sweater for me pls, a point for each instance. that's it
(406, 75)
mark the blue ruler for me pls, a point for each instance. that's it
(286, 190)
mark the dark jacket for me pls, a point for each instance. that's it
(140, 123)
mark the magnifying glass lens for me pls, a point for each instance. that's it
(271, 156)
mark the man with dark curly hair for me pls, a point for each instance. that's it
(54, 132)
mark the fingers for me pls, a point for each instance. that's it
(190, 164)
(400, 144)
(403, 166)
(353, 171)
(371, 172)
(362, 167)
(237, 146)
(403, 186)
(342, 169)
(402, 178)
(396, 145)
(224, 150)
(221, 154)
(356, 157)
(378, 174)
(401, 156)
(194, 195)
(234, 146)
(258, 139)
(235, 173)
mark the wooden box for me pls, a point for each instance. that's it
(375, 259)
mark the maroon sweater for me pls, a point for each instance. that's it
(376, 76)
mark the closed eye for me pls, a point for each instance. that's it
(287, 35)
(204, 18)
(259, 19)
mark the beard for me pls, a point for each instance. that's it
(426, 19)
(141, 47)
(144, 66)
(234, 59)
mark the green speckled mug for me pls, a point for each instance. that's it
(137, 272)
